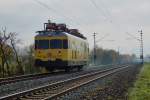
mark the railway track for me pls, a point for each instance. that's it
(9, 80)
(57, 89)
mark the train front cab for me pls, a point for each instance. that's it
(61, 52)
(51, 53)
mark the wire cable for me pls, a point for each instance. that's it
(106, 35)
(105, 9)
(133, 36)
(98, 9)
(55, 11)
(72, 16)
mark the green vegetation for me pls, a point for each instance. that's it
(141, 89)
(13, 60)
(107, 56)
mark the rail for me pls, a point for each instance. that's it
(14, 79)
(55, 90)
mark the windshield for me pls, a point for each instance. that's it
(42, 44)
(56, 44)
(51, 44)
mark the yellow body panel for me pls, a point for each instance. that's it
(51, 54)
(77, 50)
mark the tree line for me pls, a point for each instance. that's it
(107, 56)
(16, 61)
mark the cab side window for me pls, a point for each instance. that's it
(65, 44)
(36, 44)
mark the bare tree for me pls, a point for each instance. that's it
(4, 38)
(8, 42)
(14, 41)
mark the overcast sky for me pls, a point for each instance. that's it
(111, 19)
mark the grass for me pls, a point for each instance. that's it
(141, 89)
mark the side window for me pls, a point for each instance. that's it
(56, 44)
(76, 54)
(65, 44)
(69, 44)
(36, 44)
(72, 54)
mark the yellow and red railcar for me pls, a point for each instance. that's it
(57, 47)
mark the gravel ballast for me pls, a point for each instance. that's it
(114, 87)
(29, 84)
